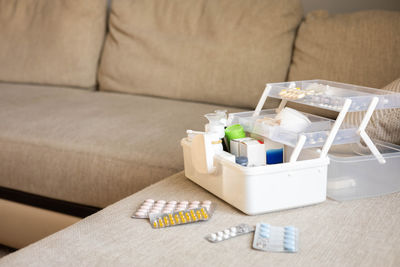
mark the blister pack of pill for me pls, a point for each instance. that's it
(230, 232)
(276, 239)
(151, 206)
(181, 217)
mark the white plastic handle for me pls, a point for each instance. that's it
(262, 100)
(372, 147)
(363, 134)
(368, 114)
(335, 128)
(298, 148)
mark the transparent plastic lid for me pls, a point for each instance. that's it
(358, 152)
(331, 95)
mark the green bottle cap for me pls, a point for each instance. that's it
(234, 132)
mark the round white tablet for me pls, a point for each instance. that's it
(213, 236)
(155, 210)
(143, 210)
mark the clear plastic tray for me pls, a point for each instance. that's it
(354, 173)
(316, 133)
(331, 95)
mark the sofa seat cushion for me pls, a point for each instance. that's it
(360, 48)
(51, 42)
(361, 232)
(221, 52)
(86, 147)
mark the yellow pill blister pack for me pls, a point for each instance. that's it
(181, 217)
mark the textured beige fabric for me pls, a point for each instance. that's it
(92, 148)
(219, 52)
(354, 233)
(384, 124)
(361, 48)
(51, 41)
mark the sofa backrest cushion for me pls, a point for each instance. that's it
(55, 42)
(360, 48)
(215, 51)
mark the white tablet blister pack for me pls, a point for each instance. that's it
(276, 239)
(229, 233)
(152, 207)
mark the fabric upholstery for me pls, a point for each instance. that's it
(353, 233)
(384, 124)
(91, 148)
(361, 48)
(221, 52)
(51, 42)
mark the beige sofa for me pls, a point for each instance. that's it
(93, 103)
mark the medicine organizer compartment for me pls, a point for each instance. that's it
(315, 134)
(294, 183)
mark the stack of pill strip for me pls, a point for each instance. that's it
(229, 233)
(181, 217)
(277, 239)
(292, 93)
(151, 207)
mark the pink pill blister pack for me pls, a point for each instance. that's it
(152, 207)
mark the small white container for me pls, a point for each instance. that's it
(293, 120)
(354, 173)
(256, 190)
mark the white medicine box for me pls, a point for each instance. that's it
(252, 149)
(302, 178)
